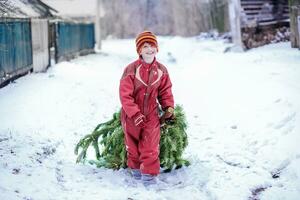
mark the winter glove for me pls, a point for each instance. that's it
(139, 120)
(168, 116)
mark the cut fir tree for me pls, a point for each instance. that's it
(108, 142)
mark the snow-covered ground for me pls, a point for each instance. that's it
(243, 111)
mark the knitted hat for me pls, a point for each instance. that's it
(146, 36)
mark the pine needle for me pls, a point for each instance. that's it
(110, 137)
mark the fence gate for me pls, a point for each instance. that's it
(15, 48)
(73, 40)
(40, 47)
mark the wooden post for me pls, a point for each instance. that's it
(294, 6)
(294, 27)
(298, 22)
(235, 22)
(97, 26)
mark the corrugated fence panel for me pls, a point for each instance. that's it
(73, 39)
(15, 48)
(39, 31)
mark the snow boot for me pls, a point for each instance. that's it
(148, 180)
(134, 177)
(136, 174)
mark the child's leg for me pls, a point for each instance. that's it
(132, 133)
(149, 148)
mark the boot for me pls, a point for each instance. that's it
(136, 174)
(148, 180)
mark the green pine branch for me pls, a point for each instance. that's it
(109, 137)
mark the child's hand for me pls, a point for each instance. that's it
(169, 114)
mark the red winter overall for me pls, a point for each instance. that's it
(142, 86)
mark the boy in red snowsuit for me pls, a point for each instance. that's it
(144, 84)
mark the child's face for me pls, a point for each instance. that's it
(148, 51)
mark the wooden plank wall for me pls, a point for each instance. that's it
(263, 12)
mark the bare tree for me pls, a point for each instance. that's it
(125, 18)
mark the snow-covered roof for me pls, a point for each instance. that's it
(25, 8)
(74, 8)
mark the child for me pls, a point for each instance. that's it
(144, 84)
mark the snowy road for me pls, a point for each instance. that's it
(243, 111)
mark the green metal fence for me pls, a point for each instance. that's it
(15, 48)
(73, 39)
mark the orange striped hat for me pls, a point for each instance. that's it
(146, 36)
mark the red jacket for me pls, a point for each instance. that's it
(142, 85)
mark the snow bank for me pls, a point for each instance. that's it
(242, 108)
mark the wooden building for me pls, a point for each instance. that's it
(258, 22)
